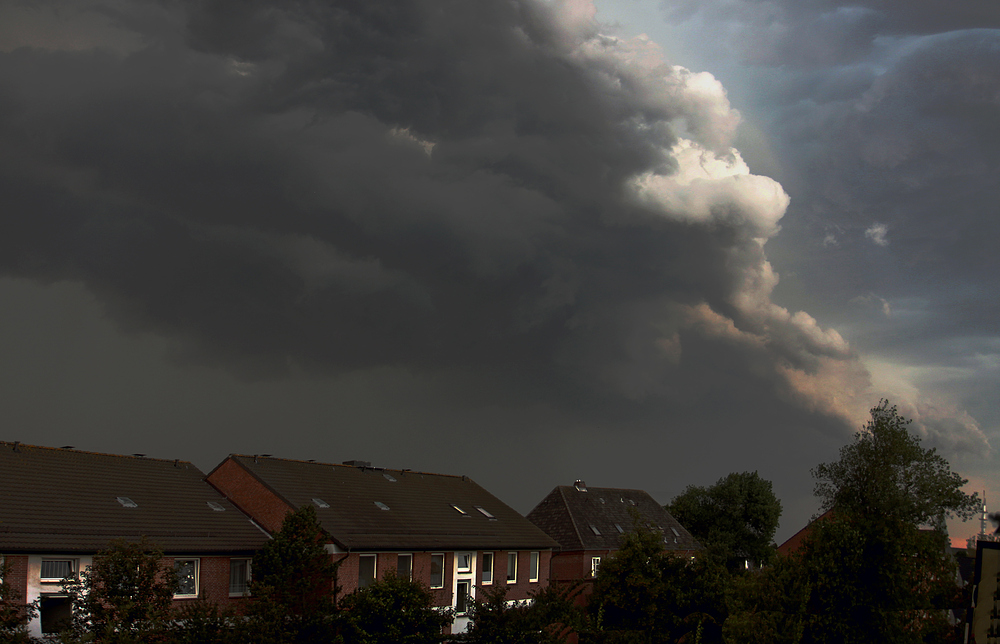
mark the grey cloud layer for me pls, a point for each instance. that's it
(340, 186)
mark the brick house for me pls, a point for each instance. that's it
(58, 507)
(590, 523)
(442, 530)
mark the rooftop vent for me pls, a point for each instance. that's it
(320, 503)
(127, 502)
(356, 463)
(580, 485)
(218, 507)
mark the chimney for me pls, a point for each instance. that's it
(580, 485)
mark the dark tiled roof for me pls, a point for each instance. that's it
(570, 515)
(62, 500)
(420, 514)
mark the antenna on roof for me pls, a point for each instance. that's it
(177, 462)
(16, 443)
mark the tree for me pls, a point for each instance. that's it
(874, 574)
(769, 605)
(886, 472)
(736, 518)
(14, 614)
(393, 610)
(124, 597)
(293, 586)
(644, 594)
(549, 618)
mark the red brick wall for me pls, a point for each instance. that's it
(213, 579)
(250, 495)
(17, 574)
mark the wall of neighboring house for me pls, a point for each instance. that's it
(250, 495)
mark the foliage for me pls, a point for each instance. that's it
(548, 618)
(393, 610)
(293, 585)
(736, 517)
(886, 472)
(769, 605)
(124, 597)
(14, 615)
(644, 594)
(874, 574)
(202, 622)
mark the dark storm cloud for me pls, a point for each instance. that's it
(490, 186)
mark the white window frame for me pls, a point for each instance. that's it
(197, 577)
(534, 565)
(245, 593)
(374, 559)
(512, 556)
(468, 596)
(463, 562)
(74, 568)
(407, 555)
(431, 580)
(595, 565)
(487, 569)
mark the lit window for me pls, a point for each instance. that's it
(595, 565)
(239, 577)
(511, 567)
(404, 566)
(366, 570)
(187, 577)
(461, 597)
(437, 571)
(57, 569)
(487, 568)
(533, 567)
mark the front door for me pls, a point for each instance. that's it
(464, 589)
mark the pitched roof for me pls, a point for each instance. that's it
(419, 510)
(597, 518)
(64, 500)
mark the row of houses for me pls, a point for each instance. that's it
(60, 506)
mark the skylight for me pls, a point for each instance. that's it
(619, 529)
(381, 506)
(218, 507)
(676, 534)
(389, 477)
(485, 512)
(320, 503)
(460, 510)
(594, 529)
(127, 502)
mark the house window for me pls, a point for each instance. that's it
(239, 577)
(366, 570)
(487, 568)
(404, 566)
(511, 567)
(54, 570)
(463, 561)
(595, 565)
(187, 577)
(55, 613)
(533, 567)
(437, 571)
(461, 598)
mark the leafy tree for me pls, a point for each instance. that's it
(393, 610)
(644, 594)
(735, 518)
(769, 605)
(886, 472)
(874, 574)
(549, 618)
(14, 614)
(124, 597)
(293, 585)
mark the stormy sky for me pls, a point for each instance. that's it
(640, 243)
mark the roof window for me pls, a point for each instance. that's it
(619, 529)
(381, 506)
(594, 529)
(676, 534)
(127, 502)
(389, 477)
(218, 507)
(460, 510)
(320, 503)
(486, 513)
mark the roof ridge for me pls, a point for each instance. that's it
(403, 472)
(19, 445)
